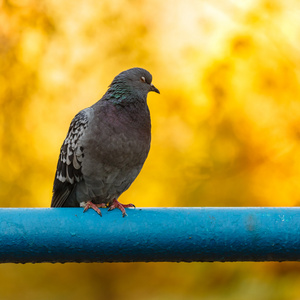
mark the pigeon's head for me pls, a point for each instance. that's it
(135, 81)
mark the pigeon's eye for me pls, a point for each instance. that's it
(143, 79)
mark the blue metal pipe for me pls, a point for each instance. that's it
(149, 234)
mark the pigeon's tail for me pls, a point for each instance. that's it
(61, 192)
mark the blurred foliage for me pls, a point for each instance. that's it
(226, 126)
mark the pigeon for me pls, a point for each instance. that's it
(106, 146)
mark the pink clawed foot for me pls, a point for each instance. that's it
(121, 207)
(90, 204)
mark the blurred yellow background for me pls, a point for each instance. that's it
(226, 127)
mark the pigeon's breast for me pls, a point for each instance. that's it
(119, 144)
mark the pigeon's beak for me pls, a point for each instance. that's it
(154, 89)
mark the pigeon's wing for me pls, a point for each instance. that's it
(68, 172)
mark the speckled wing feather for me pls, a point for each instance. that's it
(68, 171)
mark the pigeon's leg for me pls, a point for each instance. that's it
(90, 204)
(121, 207)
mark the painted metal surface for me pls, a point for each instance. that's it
(149, 234)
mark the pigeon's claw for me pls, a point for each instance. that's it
(90, 204)
(120, 206)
